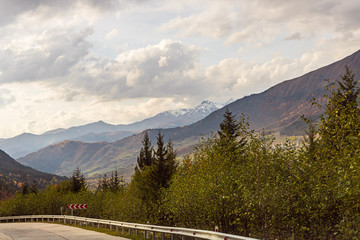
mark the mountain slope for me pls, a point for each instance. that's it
(100, 131)
(13, 175)
(176, 118)
(276, 108)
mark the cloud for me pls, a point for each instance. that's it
(294, 36)
(49, 56)
(259, 22)
(10, 10)
(112, 34)
(166, 69)
(211, 23)
(6, 97)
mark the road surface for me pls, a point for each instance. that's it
(48, 231)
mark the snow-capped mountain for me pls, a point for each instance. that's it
(26, 143)
(177, 118)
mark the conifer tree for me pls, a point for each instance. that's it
(115, 183)
(310, 142)
(145, 157)
(159, 168)
(164, 163)
(104, 183)
(232, 133)
(341, 122)
(77, 181)
(25, 188)
(229, 128)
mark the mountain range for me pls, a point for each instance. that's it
(277, 109)
(26, 143)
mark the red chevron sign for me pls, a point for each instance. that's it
(77, 206)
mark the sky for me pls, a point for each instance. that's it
(72, 62)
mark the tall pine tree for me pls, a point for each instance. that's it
(145, 157)
(77, 181)
(229, 128)
(164, 164)
(232, 133)
(340, 125)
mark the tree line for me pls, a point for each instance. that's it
(236, 179)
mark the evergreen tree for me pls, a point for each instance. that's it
(77, 181)
(33, 188)
(104, 184)
(145, 157)
(229, 128)
(164, 163)
(340, 124)
(159, 168)
(115, 183)
(25, 188)
(233, 133)
(310, 139)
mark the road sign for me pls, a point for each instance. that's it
(77, 206)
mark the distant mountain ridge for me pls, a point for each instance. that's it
(274, 109)
(26, 143)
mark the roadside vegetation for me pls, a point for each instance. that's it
(238, 180)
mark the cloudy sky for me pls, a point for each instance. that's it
(72, 62)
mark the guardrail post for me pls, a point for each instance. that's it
(110, 227)
(117, 228)
(146, 234)
(172, 236)
(153, 235)
(162, 236)
(130, 231)
(137, 232)
(123, 230)
(182, 237)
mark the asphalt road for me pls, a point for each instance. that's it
(48, 231)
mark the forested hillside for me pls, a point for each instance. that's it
(14, 175)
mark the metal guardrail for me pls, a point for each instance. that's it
(116, 225)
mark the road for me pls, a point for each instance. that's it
(48, 231)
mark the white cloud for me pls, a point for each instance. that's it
(214, 22)
(49, 57)
(259, 22)
(160, 70)
(6, 97)
(11, 10)
(112, 34)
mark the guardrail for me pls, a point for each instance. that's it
(124, 226)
